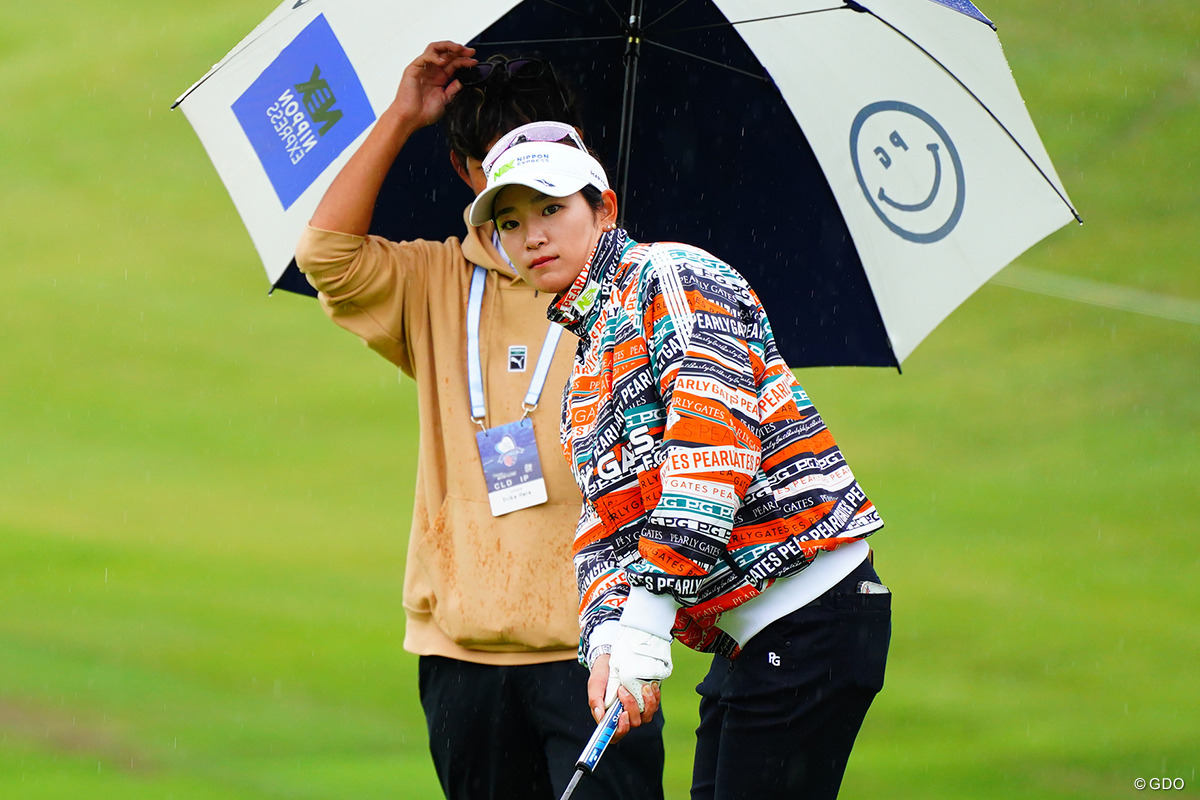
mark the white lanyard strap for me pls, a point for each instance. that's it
(538, 381)
(475, 369)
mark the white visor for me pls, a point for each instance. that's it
(554, 169)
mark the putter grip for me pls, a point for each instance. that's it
(600, 739)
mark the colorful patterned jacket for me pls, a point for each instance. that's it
(706, 472)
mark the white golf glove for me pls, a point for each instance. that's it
(638, 658)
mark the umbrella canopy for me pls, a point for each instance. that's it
(866, 165)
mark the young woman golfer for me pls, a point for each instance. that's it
(718, 510)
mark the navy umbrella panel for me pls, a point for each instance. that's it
(741, 180)
(763, 131)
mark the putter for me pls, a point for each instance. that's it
(595, 747)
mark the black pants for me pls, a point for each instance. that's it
(514, 733)
(779, 720)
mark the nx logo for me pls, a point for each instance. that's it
(294, 126)
(318, 99)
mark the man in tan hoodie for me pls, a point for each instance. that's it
(489, 591)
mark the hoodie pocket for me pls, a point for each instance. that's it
(502, 583)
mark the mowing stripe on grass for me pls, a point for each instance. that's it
(1083, 290)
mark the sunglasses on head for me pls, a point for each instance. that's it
(558, 132)
(517, 69)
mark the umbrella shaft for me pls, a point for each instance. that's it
(633, 48)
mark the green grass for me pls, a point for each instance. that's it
(204, 491)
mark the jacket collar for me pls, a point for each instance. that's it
(578, 308)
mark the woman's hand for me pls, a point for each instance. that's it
(632, 717)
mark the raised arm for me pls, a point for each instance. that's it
(426, 87)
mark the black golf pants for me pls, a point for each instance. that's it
(514, 733)
(779, 720)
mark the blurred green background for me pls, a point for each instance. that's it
(204, 491)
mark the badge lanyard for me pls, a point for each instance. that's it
(508, 452)
(474, 367)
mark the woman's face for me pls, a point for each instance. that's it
(549, 239)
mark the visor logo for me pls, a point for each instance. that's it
(909, 170)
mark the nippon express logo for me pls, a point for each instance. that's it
(303, 114)
(304, 110)
(521, 161)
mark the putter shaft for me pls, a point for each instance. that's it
(571, 786)
(595, 747)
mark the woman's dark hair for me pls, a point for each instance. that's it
(594, 197)
(484, 111)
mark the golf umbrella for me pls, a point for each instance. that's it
(866, 165)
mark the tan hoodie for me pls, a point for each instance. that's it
(492, 590)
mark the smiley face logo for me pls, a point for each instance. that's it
(908, 169)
